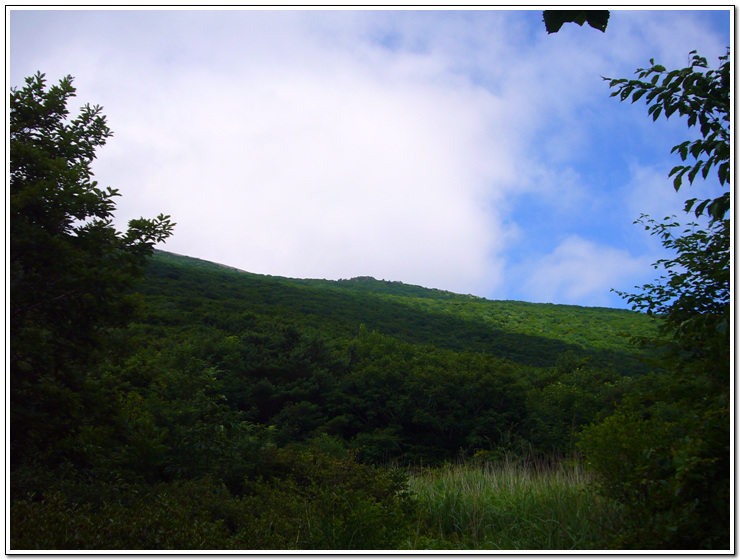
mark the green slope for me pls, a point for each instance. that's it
(527, 333)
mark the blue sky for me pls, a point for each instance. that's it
(462, 150)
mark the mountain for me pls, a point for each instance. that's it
(534, 334)
(391, 371)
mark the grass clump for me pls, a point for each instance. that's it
(510, 506)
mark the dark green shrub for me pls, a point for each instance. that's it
(306, 499)
(172, 516)
(671, 476)
(312, 500)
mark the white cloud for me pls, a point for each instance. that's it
(582, 272)
(347, 168)
(343, 143)
(650, 191)
(667, 35)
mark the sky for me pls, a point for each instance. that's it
(464, 150)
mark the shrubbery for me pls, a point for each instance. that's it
(305, 499)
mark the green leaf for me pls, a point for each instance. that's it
(670, 109)
(653, 93)
(697, 148)
(679, 179)
(694, 171)
(682, 149)
(598, 19)
(672, 80)
(701, 207)
(719, 207)
(724, 173)
(554, 19)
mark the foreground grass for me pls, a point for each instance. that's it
(510, 506)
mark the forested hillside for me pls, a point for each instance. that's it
(527, 333)
(236, 410)
(396, 372)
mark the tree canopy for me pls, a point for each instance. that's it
(703, 97)
(69, 268)
(694, 297)
(555, 19)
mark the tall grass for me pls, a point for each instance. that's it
(510, 506)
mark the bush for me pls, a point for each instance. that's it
(672, 476)
(306, 500)
(173, 516)
(312, 500)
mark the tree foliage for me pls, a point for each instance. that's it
(69, 267)
(694, 297)
(247, 409)
(554, 19)
(703, 97)
(665, 453)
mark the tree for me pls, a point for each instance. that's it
(554, 19)
(694, 298)
(670, 465)
(704, 98)
(70, 270)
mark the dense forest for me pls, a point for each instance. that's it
(159, 401)
(237, 377)
(395, 372)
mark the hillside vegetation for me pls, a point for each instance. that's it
(244, 411)
(396, 372)
(527, 333)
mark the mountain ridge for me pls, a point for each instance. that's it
(530, 333)
(367, 281)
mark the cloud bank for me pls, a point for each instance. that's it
(467, 151)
